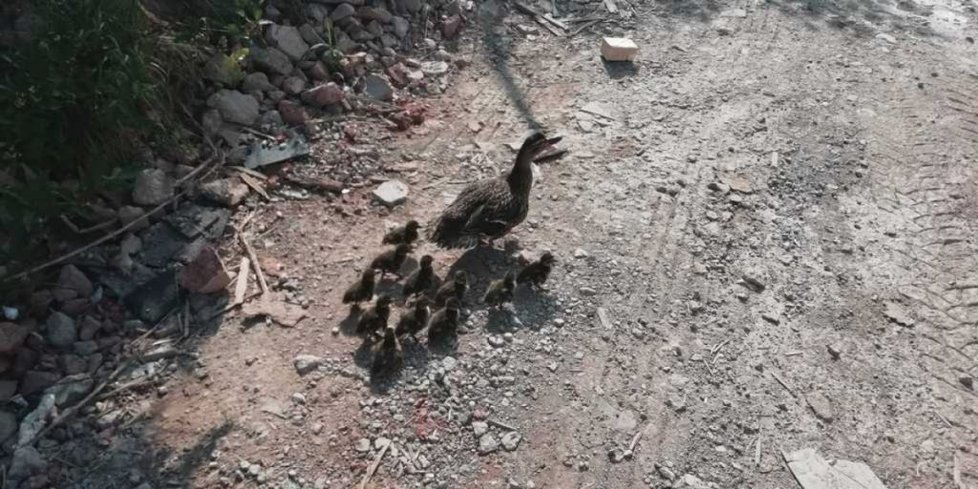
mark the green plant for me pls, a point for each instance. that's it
(73, 98)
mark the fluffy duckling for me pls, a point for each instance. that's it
(456, 288)
(421, 279)
(501, 291)
(536, 273)
(391, 260)
(375, 317)
(405, 234)
(414, 319)
(444, 322)
(388, 356)
(362, 290)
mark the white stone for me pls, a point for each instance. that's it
(618, 49)
(391, 193)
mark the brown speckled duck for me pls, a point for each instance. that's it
(488, 209)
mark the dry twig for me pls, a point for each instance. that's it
(254, 262)
(373, 466)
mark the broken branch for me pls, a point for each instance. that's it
(254, 262)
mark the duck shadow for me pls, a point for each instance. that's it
(348, 326)
(530, 308)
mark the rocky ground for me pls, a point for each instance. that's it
(766, 243)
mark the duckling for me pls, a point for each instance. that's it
(375, 317)
(456, 288)
(536, 273)
(388, 356)
(501, 291)
(489, 209)
(405, 234)
(391, 260)
(421, 279)
(415, 319)
(444, 322)
(362, 290)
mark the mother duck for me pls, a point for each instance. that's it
(488, 209)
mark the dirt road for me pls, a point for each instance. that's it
(767, 242)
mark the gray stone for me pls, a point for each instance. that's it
(12, 336)
(257, 81)
(71, 389)
(293, 85)
(391, 193)
(317, 12)
(342, 11)
(153, 187)
(379, 14)
(222, 69)
(362, 445)
(26, 462)
(410, 6)
(434, 68)
(378, 88)
(72, 278)
(7, 389)
(60, 330)
(35, 381)
(8, 425)
(271, 61)
(287, 39)
(306, 363)
(821, 406)
(73, 364)
(235, 107)
(89, 326)
(496, 341)
(228, 192)
(309, 34)
(323, 95)
(511, 441)
(449, 363)
(487, 444)
(130, 213)
(85, 348)
(480, 428)
(401, 26)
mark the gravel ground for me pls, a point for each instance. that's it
(766, 241)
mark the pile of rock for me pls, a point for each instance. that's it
(335, 58)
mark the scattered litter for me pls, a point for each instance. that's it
(618, 49)
(241, 287)
(814, 472)
(262, 153)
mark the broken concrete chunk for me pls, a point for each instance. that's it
(391, 193)
(813, 472)
(205, 274)
(618, 49)
(281, 312)
(235, 107)
(898, 314)
(228, 192)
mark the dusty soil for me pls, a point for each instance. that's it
(768, 187)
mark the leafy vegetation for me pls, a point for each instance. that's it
(99, 80)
